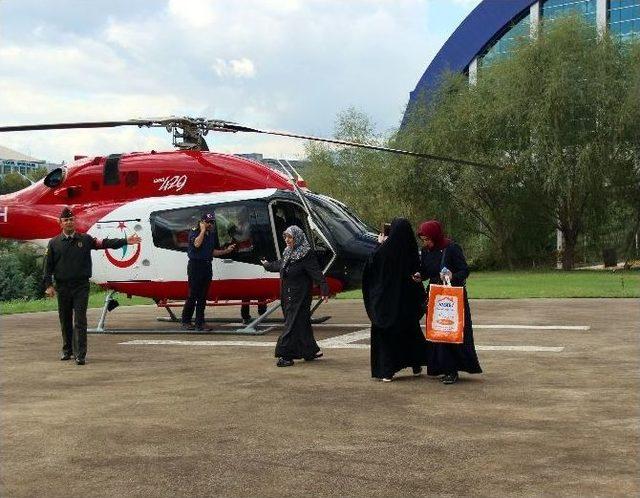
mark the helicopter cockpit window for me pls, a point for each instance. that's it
(55, 178)
(245, 224)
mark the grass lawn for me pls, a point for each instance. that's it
(481, 285)
(96, 300)
(524, 284)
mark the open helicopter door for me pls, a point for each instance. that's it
(285, 213)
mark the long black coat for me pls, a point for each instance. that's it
(394, 303)
(449, 358)
(296, 281)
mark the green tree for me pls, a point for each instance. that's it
(12, 182)
(358, 177)
(557, 117)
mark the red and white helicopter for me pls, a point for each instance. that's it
(160, 195)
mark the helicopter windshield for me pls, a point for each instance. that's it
(343, 227)
(348, 212)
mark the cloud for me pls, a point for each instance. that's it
(276, 64)
(468, 4)
(193, 13)
(238, 68)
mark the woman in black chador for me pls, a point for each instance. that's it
(298, 270)
(395, 304)
(442, 258)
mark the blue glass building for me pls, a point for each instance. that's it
(495, 26)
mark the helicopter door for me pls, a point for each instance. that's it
(246, 225)
(287, 213)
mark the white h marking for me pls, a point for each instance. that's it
(4, 214)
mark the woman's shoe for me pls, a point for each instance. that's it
(387, 379)
(450, 378)
(317, 356)
(417, 371)
(282, 362)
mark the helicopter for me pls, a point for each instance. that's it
(161, 195)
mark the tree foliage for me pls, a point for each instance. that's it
(20, 271)
(361, 178)
(559, 117)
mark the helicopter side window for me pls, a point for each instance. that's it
(54, 178)
(170, 229)
(245, 224)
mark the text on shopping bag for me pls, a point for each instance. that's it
(445, 314)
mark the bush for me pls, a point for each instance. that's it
(20, 271)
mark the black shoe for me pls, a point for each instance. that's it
(282, 362)
(316, 356)
(450, 378)
(65, 356)
(417, 371)
(247, 321)
(188, 326)
(79, 361)
(202, 328)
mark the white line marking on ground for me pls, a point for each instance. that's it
(344, 343)
(170, 342)
(534, 327)
(527, 349)
(476, 326)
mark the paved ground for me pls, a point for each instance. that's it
(206, 420)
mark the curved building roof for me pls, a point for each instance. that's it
(481, 27)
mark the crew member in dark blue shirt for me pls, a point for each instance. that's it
(203, 247)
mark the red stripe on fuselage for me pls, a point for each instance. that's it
(236, 289)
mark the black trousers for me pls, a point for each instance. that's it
(73, 298)
(199, 273)
(246, 314)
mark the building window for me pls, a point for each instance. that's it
(553, 9)
(507, 41)
(624, 18)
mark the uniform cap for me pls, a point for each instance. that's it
(66, 213)
(208, 217)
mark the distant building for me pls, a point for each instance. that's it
(492, 30)
(12, 161)
(275, 163)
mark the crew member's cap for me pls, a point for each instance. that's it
(208, 218)
(66, 213)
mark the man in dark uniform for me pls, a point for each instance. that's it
(68, 263)
(203, 247)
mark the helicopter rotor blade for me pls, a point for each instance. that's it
(239, 128)
(86, 124)
(196, 127)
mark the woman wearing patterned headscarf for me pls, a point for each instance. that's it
(441, 259)
(298, 269)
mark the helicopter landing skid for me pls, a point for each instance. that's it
(252, 326)
(221, 331)
(320, 319)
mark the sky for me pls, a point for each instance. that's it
(290, 65)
